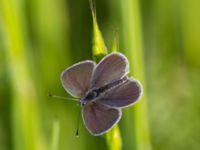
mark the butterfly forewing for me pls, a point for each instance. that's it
(76, 80)
(123, 95)
(112, 67)
(99, 118)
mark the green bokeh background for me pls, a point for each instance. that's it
(40, 38)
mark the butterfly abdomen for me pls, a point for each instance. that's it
(111, 85)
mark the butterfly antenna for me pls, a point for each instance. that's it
(65, 98)
(78, 123)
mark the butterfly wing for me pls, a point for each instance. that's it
(123, 95)
(76, 79)
(110, 68)
(99, 118)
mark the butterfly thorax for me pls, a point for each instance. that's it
(95, 93)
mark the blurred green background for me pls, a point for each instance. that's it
(40, 38)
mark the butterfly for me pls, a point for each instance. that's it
(103, 89)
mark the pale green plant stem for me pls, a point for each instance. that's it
(132, 37)
(55, 135)
(113, 137)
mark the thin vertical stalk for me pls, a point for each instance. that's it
(99, 49)
(133, 48)
(27, 133)
(55, 135)
(191, 32)
(113, 137)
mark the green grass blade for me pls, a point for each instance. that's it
(98, 48)
(55, 135)
(133, 48)
(115, 45)
(113, 137)
(191, 31)
(27, 134)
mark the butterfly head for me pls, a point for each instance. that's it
(91, 95)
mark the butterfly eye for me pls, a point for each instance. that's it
(91, 95)
(95, 93)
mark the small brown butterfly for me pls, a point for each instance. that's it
(103, 89)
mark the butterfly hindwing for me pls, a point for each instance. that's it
(123, 95)
(98, 118)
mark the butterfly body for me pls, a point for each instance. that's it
(97, 93)
(103, 88)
